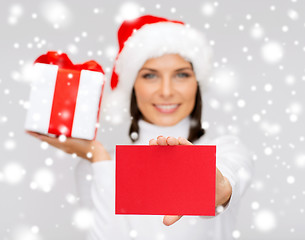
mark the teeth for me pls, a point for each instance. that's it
(167, 107)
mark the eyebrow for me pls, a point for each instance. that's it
(185, 68)
(150, 69)
(177, 70)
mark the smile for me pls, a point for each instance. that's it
(166, 108)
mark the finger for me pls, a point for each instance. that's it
(172, 141)
(153, 142)
(161, 140)
(184, 141)
(169, 220)
(34, 134)
(29, 132)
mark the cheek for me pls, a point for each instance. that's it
(143, 94)
(189, 93)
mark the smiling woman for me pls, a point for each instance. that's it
(162, 65)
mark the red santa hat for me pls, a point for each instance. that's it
(149, 36)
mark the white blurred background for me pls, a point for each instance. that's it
(256, 91)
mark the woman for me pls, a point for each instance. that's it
(163, 64)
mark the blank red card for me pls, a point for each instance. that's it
(165, 180)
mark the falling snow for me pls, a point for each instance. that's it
(83, 218)
(56, 13)
(272, 52)
(257, 31)
(44, 180)
(13, 173)
(255, 91)
(265, 220)
(128, 11)
(208, 9)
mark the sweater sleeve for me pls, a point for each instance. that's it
(83, 175)
(106, 224)
(234, 162)
(102, 190)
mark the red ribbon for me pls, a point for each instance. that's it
(63, 61)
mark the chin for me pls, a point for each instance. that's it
(166, 122)
(165, 119)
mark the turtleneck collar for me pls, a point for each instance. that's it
(149, 130)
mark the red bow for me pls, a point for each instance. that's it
(63, 61)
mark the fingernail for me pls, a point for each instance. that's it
(159, 136)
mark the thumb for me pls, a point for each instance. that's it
(169, 220)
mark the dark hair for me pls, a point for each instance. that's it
(195, 131)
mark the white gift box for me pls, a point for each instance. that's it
(65, 101)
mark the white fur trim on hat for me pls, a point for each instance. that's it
(155, 40)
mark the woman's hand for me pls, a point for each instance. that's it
(90, 150)
(223, 187)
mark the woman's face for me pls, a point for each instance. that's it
(165, 89)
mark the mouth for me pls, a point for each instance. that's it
(166, 108)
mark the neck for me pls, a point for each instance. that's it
(149, 131)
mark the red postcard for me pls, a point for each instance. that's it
(165, 180)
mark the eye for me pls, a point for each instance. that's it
(183, 75)
(149, 75)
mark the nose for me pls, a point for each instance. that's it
(166, 87)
